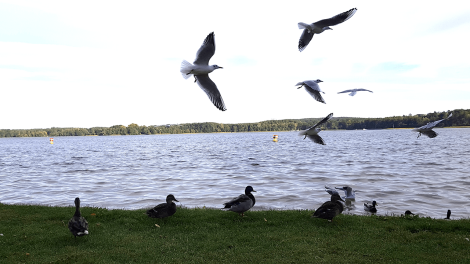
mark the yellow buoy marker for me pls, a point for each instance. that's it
(51, 140)
(275, 138)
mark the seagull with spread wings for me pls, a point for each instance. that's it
(312, 132)
(201, 70)
(354, 91)
(427, 129)
(313, 89)
(320, 26)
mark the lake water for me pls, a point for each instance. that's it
(393, 167)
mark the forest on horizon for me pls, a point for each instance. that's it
(460, 117)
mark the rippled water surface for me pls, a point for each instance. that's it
(393, 167)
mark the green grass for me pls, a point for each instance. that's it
(39, 234)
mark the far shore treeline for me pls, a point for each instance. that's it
(460, 117)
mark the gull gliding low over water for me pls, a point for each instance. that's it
(320, 26)
(313, 89)
(427, 129)
(354, 91)
(312, 132)
(201, 70)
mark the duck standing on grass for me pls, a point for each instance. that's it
(370, 207)
(77, 224)
(242, 203)
(164, 209)
(330, 209)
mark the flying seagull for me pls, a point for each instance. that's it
(320, 26)
(427, 129)
(350, 194)
(354, 91)
(201, 70)
(313, 89)
(312, 132)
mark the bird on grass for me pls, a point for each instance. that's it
(427, 129)
(312, 132)
(320, 26)
(201, 70)
(78, 224)
(448, 214)
(313, 89)
(370, 207)
(408, 213)
(242, 203)
(330, 209)
(354, 91)
(164, 209)
(350, 194)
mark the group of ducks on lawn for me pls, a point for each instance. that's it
(244, 202)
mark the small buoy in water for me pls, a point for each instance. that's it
(51, 140)
(275, 138)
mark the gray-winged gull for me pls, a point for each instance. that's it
(201, 70)
(354, 91)
(427, 129)
(313, 89)
(320, 26)
(312, 132)
(350, 194)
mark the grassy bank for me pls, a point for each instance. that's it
(39, 234)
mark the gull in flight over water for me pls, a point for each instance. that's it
(354, 91)
(313, 89)
(312, 132)
(350, 194)
(320, 26)
(427, 129)
(201, 70)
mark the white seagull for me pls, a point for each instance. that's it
(312, 132)
(313, 89)
(427, 129)
(320, 26)
(354, 91)
(348, 191)
(201, 70)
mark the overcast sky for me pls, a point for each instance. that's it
(104, 63)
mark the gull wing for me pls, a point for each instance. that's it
(365, 90)
(347, 91)
(305, 38)
(209, 87)
(323, 121)
(314, 90)
(206, 51)
(430, 133)
(338, 19)
(430, 125)
(317, 139)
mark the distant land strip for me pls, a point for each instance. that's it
(460, 118)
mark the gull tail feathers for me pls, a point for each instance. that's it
(185, 69)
